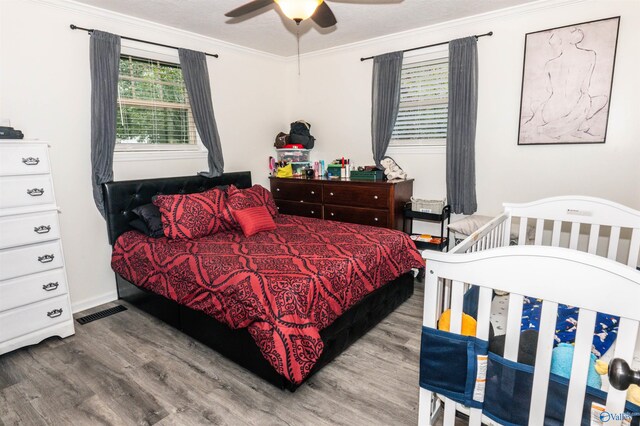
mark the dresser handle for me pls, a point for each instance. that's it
(375, 197)
(50, 286)
(277, 189)
(55, 313)
(35, 192)
(312, 212)
(43, 229)
(332, 214)
(46, 258)
(313, 192)
(331, 193)
(30, 161)
(302, 201)
(375, 219)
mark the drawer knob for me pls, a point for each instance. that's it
(375, 219)
(55, 313)
(331, 193)
(43, 229)
(375, 197)
(46, 258)
(30, 161)
(302, 201)
(50, 286)
(277, 189)
(332, 214)
(35, 192)
(313, 192)
(312, 212)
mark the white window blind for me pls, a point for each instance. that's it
(153, 107)
(424, 92)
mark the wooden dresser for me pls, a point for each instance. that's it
(34, 302)
(375, 203)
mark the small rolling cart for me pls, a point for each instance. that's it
(437, 242)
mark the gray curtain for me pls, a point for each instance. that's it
(461, 126)
(196, 78)
(385, 101)
(104, 60)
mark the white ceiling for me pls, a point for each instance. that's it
(270, 31)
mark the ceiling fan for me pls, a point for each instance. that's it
(297, 10)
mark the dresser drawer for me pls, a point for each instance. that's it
(373, 217)
(372, 196)
(28, 229)
(307, 191)
(25, 191)
(32, 288)
(24, 320)
(17, 262)
(23, 160)
(300, 209)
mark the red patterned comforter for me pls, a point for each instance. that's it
(284, 285)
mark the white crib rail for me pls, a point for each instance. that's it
(555, 275)
(491, 235)
(578, 211)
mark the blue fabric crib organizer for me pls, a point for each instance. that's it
(453, 366)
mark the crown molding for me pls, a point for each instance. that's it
(97, 12)
(426, 32)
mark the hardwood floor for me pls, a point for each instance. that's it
(130, 368)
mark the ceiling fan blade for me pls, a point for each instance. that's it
(323, 16)
(248, 8)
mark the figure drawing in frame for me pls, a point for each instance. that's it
(566, 83)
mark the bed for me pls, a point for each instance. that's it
(584, 254)
(237, 341)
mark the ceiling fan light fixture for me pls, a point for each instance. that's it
(298, 10)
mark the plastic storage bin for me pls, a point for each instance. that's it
(293, 155)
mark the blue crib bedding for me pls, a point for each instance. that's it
(605, 332)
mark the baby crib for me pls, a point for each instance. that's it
(584, 253)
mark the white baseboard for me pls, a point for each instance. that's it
(94, 301)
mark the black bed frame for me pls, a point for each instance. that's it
(238, 345)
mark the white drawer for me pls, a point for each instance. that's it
(32, 288)
(23, 160)
(17, 262)
(23, 191)
(28, 229)
(26, 319)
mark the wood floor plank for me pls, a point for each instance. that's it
(130, 368)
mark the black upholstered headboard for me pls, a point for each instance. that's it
(122, 197)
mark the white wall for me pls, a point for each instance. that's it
(334, 94)
(45, 91)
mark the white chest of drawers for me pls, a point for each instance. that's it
(34, 301)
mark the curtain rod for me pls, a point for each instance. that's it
(90, 30)
(490, 33)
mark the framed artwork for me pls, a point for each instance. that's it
(566, 83)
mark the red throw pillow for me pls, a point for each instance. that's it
(254, 219)
(255, 196)
(192, 216)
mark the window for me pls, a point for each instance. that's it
(153, 107)
(424, 92)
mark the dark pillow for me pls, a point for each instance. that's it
(254, 219)
(151, 218)
(255, 196)
(139, 226)
(192, 216)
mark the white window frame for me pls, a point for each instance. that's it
(437, 146)
(149, 152)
